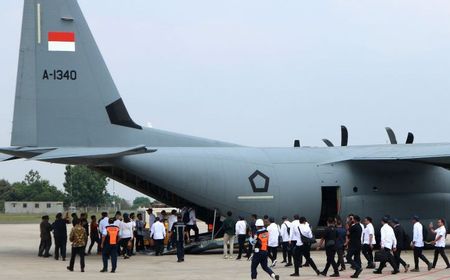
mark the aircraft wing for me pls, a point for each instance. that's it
(75, 155)
(433, 154)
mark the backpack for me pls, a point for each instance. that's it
(186, 217)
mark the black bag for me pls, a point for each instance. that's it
(330, 243)
(306, 240)
(380, 256)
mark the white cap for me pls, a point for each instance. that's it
(259, 223)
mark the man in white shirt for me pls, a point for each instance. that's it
(192, 224)
(104, 222)
(439, 242)
(158, 233)
(296, 242)
(388, 244)
(151, 217)
(241, 232)
(417, 245)
(285, 231)
(274, 233)
(305, 230)
(172, 219)
(368, 241)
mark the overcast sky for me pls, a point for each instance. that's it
(262, 73)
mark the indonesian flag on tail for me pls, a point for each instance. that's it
(61, 41)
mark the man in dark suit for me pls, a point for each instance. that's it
(400, 234)
(354, 245)
(46, 238)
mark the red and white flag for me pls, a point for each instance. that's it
(61, 41)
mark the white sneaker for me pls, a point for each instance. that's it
(231, 257)
(274, 263)
(225, 257)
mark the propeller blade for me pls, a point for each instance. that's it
(410, 138)
(391, 135)
(344, 135)
(328, 142)
(296, 143)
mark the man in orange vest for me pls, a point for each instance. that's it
(110, 241)
(261, 250)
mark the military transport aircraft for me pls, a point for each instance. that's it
(68, 111)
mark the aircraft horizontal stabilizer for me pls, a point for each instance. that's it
(7, 158)
(76, 155)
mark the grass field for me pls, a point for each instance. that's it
(20, 218)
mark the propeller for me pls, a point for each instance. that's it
(344, 138)
(393, 139)
(391, 135)
(410, 138)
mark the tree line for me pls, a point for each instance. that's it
(83, 187)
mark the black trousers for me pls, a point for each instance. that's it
(95, 239)
(125, 250)
(260, 258)
(77, 251)
(304, 251)
(440, 251)
(180, 250)
(354, 257)
(159, 247)
(139, 243)
(287, 252)
(44, 247)
(368, 253)
(387, 258)
(192, 227)
(107, 252)
(419, 255)
(273, 252)
(398, 259)
(331, 253)
(340, 253)
(60, 247)
(242, 248)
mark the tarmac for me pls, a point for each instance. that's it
(19, 260)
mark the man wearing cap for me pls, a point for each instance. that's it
(261, 244)
(400, 234)
(388, 244)
(418, 244)
(285, 230)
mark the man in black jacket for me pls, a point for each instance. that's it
(46, 238)
(400, 235)
(60, 235)
(354, 245)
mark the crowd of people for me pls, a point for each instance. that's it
(120, 235)
(343, 241)
(259, 240)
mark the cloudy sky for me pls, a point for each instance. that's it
(262, 73)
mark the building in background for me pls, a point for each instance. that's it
(33, 207)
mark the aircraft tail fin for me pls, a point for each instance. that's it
(65, 95)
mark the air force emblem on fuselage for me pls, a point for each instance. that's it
(259, 181)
